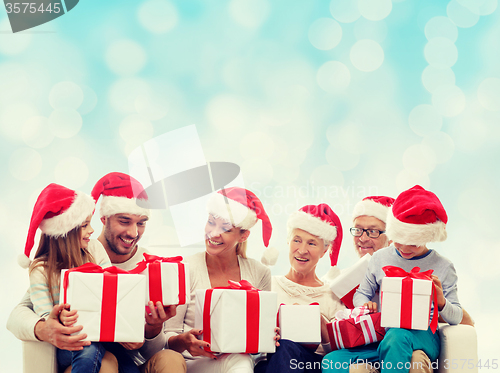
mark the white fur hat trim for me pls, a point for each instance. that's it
(311, 224)
(111, 205)
(231, 211)
(414, 234)
(82, 206)
(370, 208)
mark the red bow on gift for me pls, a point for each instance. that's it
(155, 288)
(406, 293)
(148, 259)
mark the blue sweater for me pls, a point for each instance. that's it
(443, 269)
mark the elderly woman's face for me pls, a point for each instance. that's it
(221, 236)
(305, 251)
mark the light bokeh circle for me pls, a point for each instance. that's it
(441, 144)
(425, 120)
(433, 77)
(158, 16)
(367, 55)
(89, 100)
(13, 117)
(66, 95)
(65, 123)
(333, 77)
(325, 33)
(449, 100)
(419, 157)
(249, 13)
(227, 113)
(124, 92)
(256, 145)
(373, 30)
(461, 15)
(441, 52)
(258, 171)
(326, 176)
(25, 164)
(345, 11)
(152, 105)
(125, 57)
(441, 27)
(488, 94)
(374, 10)
(136, 129)
(341, 159)
(36, 132)
(71, 172)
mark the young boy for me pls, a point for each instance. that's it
(417, 218)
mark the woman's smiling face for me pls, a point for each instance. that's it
(305, 251)
(221, 236)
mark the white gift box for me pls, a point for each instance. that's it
(170, 285)
(235, 323)
(108, 310)
(300, 323)
(344, 286)
(417, 303)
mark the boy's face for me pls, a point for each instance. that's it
(410, 251)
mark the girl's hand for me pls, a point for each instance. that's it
(68, 317)
(277, 337)
(372, 306)
(439, 291)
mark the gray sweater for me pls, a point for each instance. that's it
(443, 269)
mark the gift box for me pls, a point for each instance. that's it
(406, 299)
(237, 319)
(300, 323)
(344, 286)
(106, 301)
(167, 279)
(356, 327)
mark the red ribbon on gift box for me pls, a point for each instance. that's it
(253, 303)
(153, 263)
(109, 299)
(407, 293)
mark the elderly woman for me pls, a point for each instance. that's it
(232, 212)
(312, 231)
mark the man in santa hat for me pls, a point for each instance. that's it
(124, 214)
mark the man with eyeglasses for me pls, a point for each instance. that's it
(368, 229)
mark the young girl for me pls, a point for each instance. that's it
(63, 216)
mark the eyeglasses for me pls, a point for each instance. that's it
(372, 233)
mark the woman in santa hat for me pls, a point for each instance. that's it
(232, 213)
(313, 231)
(63, 215)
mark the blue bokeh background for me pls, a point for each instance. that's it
(316, 101)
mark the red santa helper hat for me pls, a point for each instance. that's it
(376, 206)
(241, 208)
(120, 194)
(57, 211)
(416, 218)
(319, 221)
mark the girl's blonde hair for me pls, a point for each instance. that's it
(241, 247)
(56, 253)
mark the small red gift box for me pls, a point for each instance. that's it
(167, 279)
(356, 327)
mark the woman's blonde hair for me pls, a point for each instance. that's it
(56, 253)
(241, 247)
